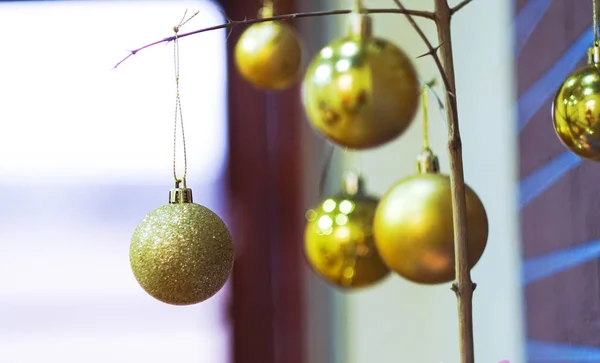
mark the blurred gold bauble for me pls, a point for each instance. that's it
(181, 253)
(361, 92)
(339, 242)
(269, 54)
(414, 232)
(576, 110)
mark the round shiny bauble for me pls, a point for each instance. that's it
(414, 231)
(339, 242)
(576, 112)
(360, 92)
(181, 254)
(269, 55)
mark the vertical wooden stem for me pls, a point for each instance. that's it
(463, 286)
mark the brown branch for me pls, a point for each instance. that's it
(431, 49)
(459, 6)
(233, 23)
(463, 286)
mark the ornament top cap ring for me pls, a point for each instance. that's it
(427, 162)
(353, 183)
(181, 193)
(266, 11)
(360, 23)
(594, 55)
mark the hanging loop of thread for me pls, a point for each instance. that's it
(329, 154)
(595, 20)
(424, 99)
(178, 113)
(267, 10)
(268, 4)
(427, 87)
(359, 6)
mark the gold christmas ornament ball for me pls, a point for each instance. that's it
(414, 231)
(339, 244)
(361, 92)
(269, 55)
(181, 253)
(576, 112)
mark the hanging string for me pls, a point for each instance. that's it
(329, 153)
(595, 15)
(267, 10)
(356, 157)
(436, 98)
(178, 113)
(359, 6)
(425, 117)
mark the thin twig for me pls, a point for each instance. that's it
(432, 50)
(233, 23)
(459, 6)
(429, 52)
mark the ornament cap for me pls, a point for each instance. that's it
(181, 193)
(594, 55)
(427, 162)
(266, 11)
(353, 183)
(360, 23)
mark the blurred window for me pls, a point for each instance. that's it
(85, 153)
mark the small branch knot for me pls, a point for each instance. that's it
(454, 288)
(455, 143)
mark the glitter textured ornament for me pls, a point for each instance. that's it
(576, 109)
(269, 54)
(181, 253)
(339, 242)
(360, 91)
(413, 226)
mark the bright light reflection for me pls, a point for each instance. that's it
(346, 206)
(323, 74)
(349, 49)
(341, 219)
(325, 222)
(329, 205)
(343, 65)
(327, 52)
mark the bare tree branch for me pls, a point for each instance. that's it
(432, 50)
(233, 23)
(459, 6)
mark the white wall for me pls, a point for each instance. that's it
(325, 306)
(399, 321)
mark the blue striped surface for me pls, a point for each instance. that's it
(527, 20)
(539, 267)
(543, 178)
(552, 352)
(537, 95)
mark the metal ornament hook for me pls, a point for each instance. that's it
(181, 193)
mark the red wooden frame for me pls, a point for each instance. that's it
(264, 179)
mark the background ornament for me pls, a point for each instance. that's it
(339, 242)
(361, 92)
